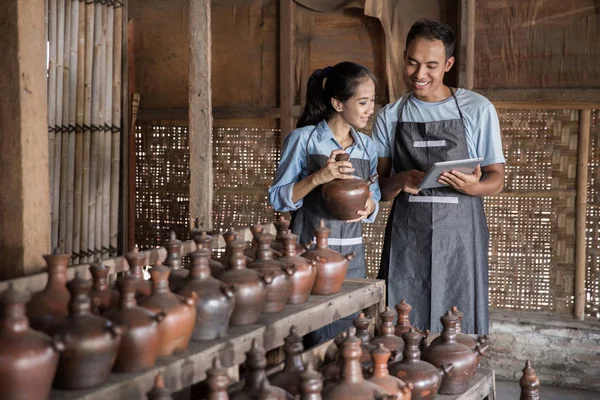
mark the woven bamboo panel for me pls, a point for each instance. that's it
(373, 236)
(593, 222)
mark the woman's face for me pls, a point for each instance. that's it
(358, 108)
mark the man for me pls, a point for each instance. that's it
(435, 252)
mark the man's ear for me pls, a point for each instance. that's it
(449, 63)
(337, 105)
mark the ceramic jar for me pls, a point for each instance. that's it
(204, 241)
(137, 261)
(343, 198)
(282, 227)
(529, 383)
(159, 391)
(28, 359)
(289, 378)
(311, 384)
(331, 265)
(214, 299)
(332, 372)
(175, 330)
(278, 292)
(424, 377)
(103, 298)
(218, 381)
(178, 274)
(229, 236)
(450, 351)
(91, 342)
(467, 340)
(387, 335)
(51, 305)
(381, 377)
(403, 324)
(361, 324)
(250, 252)
(251, 293)
(306, 272)
(139, 341)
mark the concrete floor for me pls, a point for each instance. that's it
(510, 390)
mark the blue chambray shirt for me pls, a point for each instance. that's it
(293, 164)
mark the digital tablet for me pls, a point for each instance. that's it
(466, 166)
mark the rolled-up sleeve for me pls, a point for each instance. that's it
(374, 188)
(291, 169)
(381, 133)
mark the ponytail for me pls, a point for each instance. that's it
(315, 109)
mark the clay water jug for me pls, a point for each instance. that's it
(529, 383)
(450, 351)
(137, 261)
(403, 324)
(51, 305)
(331, 265)
(424, 377)
(28, 359)
(306, 272)
(352, 385)
(362, 324)
(214, 299)
(332, 372)
(467, 340)
(175, 329)
(204, 241)
(278, 292)
(282, 227)
(311, 384)
(344, 197)
(103, 298)
(159, 391)
(250, 293)
(250, 252)
(139, 341)
(229, 236)
(387, 335)
(178, 274)
(218, 381)
(381, 377)
(289, 378)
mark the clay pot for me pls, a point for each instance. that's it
(140, 340)
(381, 377)
(178, 274)
(450, 351)
(362, 324)
(352, 385)
(217, 380)
(311, 384)
(387, 335)
(91, 342)
(28, 359)
(282, 227)
(256, 383)
(214, 299)
(306, 272)
(159, 391)
(530, 384)
(137, 261)
(51, 305)
(204, 241)
(424, 377)
(175, 330)
(250, 252)
(331, 265)
(103, 298)
(403, 324)
(229, 236)
(332, 372)
(251, 293)
(278, 292)
(343, 198)
(289, 377)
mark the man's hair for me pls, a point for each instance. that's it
(433, 30)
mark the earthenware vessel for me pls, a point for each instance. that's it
(530, 384)
(332, 372)
(51, 305)
(289, 377)
(467, 340)
(282, 227)
(229, 236)
(278, 292)
(403, 324)
(250, 252)
(311, 384)
(178, 274)
(204, 241)
(214, 302)
(175, 330)
(218, 381)
(137, 261)
(331, 265)
(159, 391)
(306, 272)
(28, 359)
(362, 324)
(343, 198)
(381, 377)
(103, 298)
(387, 335)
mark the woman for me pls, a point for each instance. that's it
(340, 99)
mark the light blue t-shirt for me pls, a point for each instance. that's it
(481, 121)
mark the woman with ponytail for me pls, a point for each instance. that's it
(339, 100)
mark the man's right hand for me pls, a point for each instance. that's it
(409, 181)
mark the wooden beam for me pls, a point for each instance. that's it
(200, 120)
(286, 70)
(182, 114)
(551, 98)
(470, 46)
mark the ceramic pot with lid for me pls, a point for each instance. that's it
(529, 383)
(306, 272)
(282, 227)
(178, 274)
(204, 241)
(103, 297)
(381, 377)
(289, 377)
(387, 335)
(137, 261)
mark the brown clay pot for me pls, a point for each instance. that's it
(250, 252)
(306, 272)
(343, 198)
(331, 265)
(529, 383)
(278, 292)
(282, 227)
(229, 236)
(251, 293)
(450, 351)
(51, 305)
(289, 378)
(381, 377)
(137, 261)
(424, 377)
(140, 341)
(332, 372)
(175, 330)
(403, 324)
(159, 391)
(204, 241)
(387, 335)
(352, 385)
(311, 384)
(362, 324)
(178, 274)
(256, 383)
(103, 298)
(214, 299)
(217, 380)
(91, 342)
(28, 359)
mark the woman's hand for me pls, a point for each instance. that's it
(409, 181)
(369, 209)
(463, 183)
(334, 169)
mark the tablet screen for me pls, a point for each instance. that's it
(466, 166)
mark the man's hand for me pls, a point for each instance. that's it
(409, 180)
(464, 183)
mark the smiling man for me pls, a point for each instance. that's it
(435, 252)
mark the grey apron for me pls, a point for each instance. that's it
(343, 238)
(435, 252)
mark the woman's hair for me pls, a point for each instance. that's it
(341, 81)
(433, 30)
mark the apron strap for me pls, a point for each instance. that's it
(456, 101)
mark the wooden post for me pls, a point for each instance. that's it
(286, 70)
(581, 211)
(466, 52)
(25, 201)
(200, 118)
(115, 152)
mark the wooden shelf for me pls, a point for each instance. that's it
(189, 368)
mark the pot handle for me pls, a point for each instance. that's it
(266, 277)
(290, 269)
(446, 369)
(320, 259)
(350, 256)
(191, 299)
(115, 330)
(229, 291)
(373, 178)
(481, 348)
(307, 246)
(58, 343)
(159, 316)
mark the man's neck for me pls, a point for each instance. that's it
(439, 95)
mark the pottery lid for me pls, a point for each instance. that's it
(13, 296)
(159, 392)
(322, 230)
(281, 225)
(388, 315)
(79, 285)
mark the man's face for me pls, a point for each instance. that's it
(424, 67)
